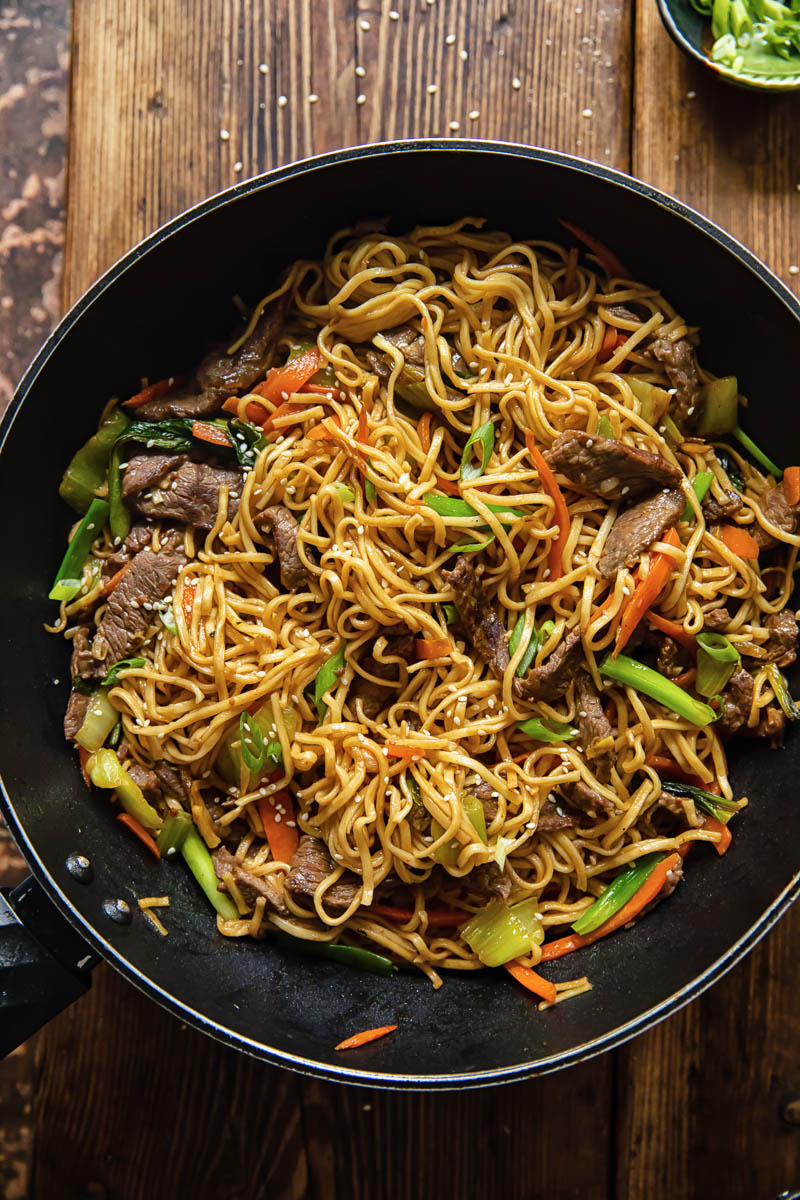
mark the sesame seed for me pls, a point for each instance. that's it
(224, 135)
(453, 125)
(360, 72)
(587, 112)
(464, 55)
(516, 83)
(263, 68)
(237, 166)
(365, 25)
(432, 89)
(277, 818)
(394, 16)
(794, 269)
(282, 101)
(312, 97)
(691, 95)
(361, 99)
(473, 116)
(448, 41)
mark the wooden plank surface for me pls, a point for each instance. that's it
(130, 1104)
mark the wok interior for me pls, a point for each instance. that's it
(158, 315)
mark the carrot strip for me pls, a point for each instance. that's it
(361, 436)
(647, 892)
(321, 433)
(394, 750)
(367, 1035)
(611, 264)
(555, 557)
(189, 589)
(140, 832)
(294, 408)
(108, 588)
(424, 431)
(791, 484)
(282, 382)
(533, 982)
(667, 766)
(204, 431)
(83, 758)
(437, 648)
(436, 917)
(609, 344)
(448, 486)
(673, 630)
(647, 590)
(154, 392)
(725, 838)
(319, 389)
(283, 838)
(685, 678)
(739, 541)
(255, 413)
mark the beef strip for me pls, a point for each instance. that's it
(593, 724)
(551, 680)
(581, 796)
(173, 783)
(680, 362)
(82, 663)
(488, 879)
(736, 701)
(375, 696)
(722, 510)
(311, 865)
(777, 509)
(551, 816)
(637, 528)
(482, 623)
(673, 659)
(771, 724)
(622, 313)
(608, 467)
(283, 524)
(76, 711)
(189, 493)
(140, 536)
(220, 374)
(125, 621)
(484, 792)
(251, 886)
(717, 619)
(147, 780)
(144, 470)
(378, 364)
(781, 645)
(409, 342)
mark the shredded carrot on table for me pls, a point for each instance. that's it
(533, 982)
(205, 431)
(154, 392)
(433, 648)
(673, 630)
(108, 587)
(140, 832)
(791, 484)
(282, 837)
(739, 541)
(555, 564)
(646, 591)
(367, 1035)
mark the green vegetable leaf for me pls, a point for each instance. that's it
(124, 664)
(632, 673)
(67, 582)
(252, 745)
(326, 678)
(618, 893)
(470, 547)
(168, 619)
(547, 730)
(483, 437)
(369, 491)
(717, 659)
(248, 441)
(700, 485)
(604, 427)
(452, 506)
(450, 613)
(715, 806)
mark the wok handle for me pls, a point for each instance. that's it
(44, 963)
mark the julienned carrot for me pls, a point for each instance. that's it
(739, 541)
(791, 484)
(361, 436)
(436, 917)
(289, 408)
(647, 892)
(646, 591)
(533, 982)
(555, 564)
(204, 431)
(284, 381)
(366, 1035)
(154, 392)
(320, 389)
(686, 678)
(83, 758)
(448, 486)
(140, 832)
(668, 767)
(673, 630)
(612, 340)
(282, 837)
(424, 431)
(395, 750)
(434, 648)
(715, 826)
(611, 264)
(187, 599)
(255, 413)
(108, 587)
(321, 433)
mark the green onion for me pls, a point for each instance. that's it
(469, 547)
(451, 506)
(516, 635)
(618, 893)
(231, 759)
(653, 400)
(605, 428)
(326, 678)
(546, 730)
(715, 806)
(484, 438)
(198, 860)
(351, 956)
(474, 810)
(717, 659)
(412, 788)
(538, 639)
(100, 719)
(251, 743)
(450, 613)
(700, 485)
(173, 834)
(634, 674)
(119, 516)
(720, 400)
(782, 694)
(87, 470)
(346, 494)
(500, 932)
(168, 619)
(501, 850)
(67, 582)
(124, 664)
(757, 454)
(671, 431)
(369, 491)
(106, 771)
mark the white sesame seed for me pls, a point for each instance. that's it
(224, 135)
(394, 16)
(516, 83)
(365, 25)
(432, 89)
(277, 818)
(431, 2)
(312, 97)
(691, 95)
(237, 166)
(361, 72)
(263, 68)
(464, 55)
(453, 125)
(473, 116)
(587, 112)
(361, 99)
(282, 101)
(794, 269)
(448, 41)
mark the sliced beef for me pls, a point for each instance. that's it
(771, 725)
(609, 468)
(551, 680)
(378, 364)
(140, 536)
(311, 865)
(374, 695)
(125, 621)
(144, 470)
(593, 724)
(409, 342)
(637, 528)
(621, 312)
(716, 620)
(680, 362)
(672, 880)
(76, 711)
(552, 816)
(581, 796)
(82, 664)
(489, 880)
(147, 780)
(673, 659)
(173, 783)
(283, 524)
(722, 510)
(781, 645)
(251, 886)
(736, 701)
(220, 374)
(778, 511)
(482, 623)
(484, 792)
(189, 493)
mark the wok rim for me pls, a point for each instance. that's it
(297, 1062)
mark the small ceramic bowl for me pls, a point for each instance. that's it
(691, 33)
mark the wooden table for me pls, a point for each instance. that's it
(170, 102)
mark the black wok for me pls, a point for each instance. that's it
(154, 312)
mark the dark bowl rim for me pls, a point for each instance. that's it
(296, 1062)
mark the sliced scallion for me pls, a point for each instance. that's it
(759, 455)
(198, 860)
(717, 658)
(618, 893)
(452, 506)
(470, 547)
(173, 834)
(251, 744)
(124, 664)
(715, 806)
(700, 485)
(545, 729)
(632, 673)
(67, 582)
(782, 694)
(605, 428)
(500, 932)
(325, 679)
(351, 956)
(450, 613)
(483, 440)
(99, 719)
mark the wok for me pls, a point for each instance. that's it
(154, 312)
